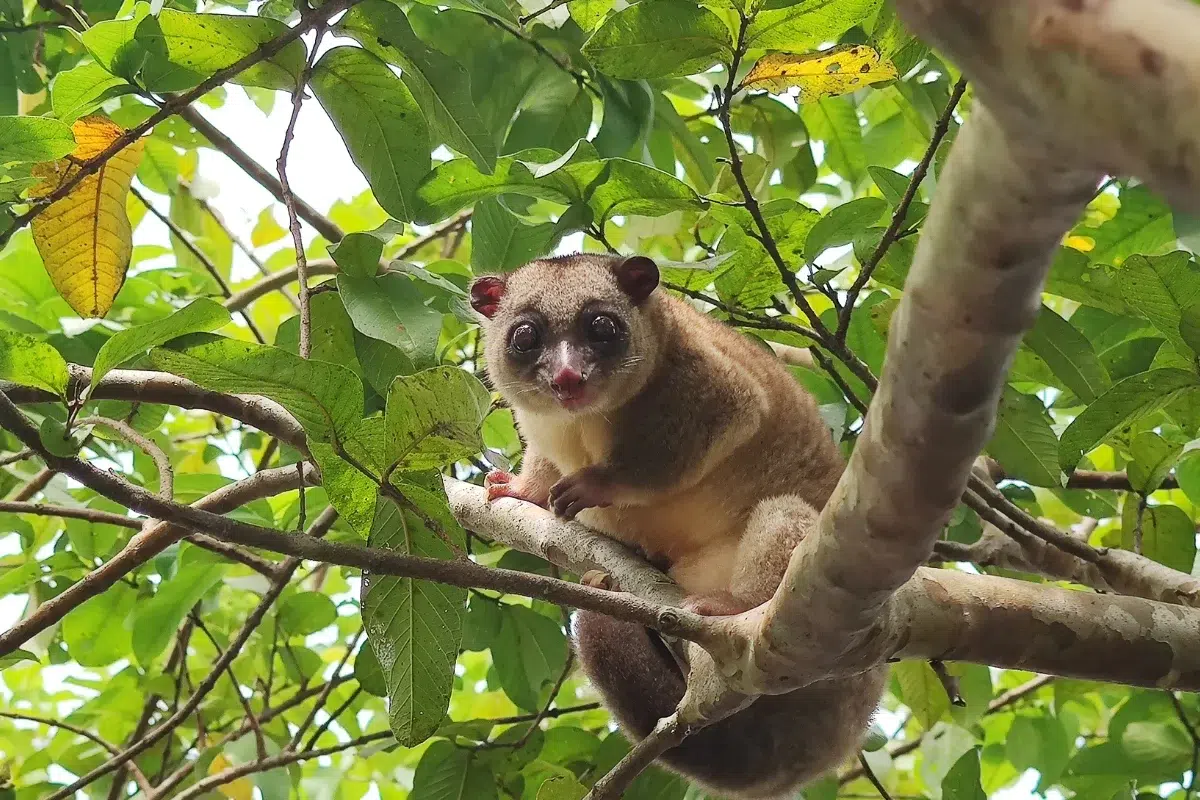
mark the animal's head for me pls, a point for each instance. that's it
(570, 333)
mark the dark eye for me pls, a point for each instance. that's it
(524, 337)
(603, 329)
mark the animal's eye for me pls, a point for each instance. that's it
(524, 337)
(603, 329)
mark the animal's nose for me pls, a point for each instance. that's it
(567, 381)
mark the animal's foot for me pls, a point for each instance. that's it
(599, 579)
(587, 488)
(714, 604)
(504, 484)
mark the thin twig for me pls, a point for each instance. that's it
(173, 106)
(289, 201)
(20, 455)
(263, 177)
(332, 717)
(262, 765)
(138, 776)
(901, 214)
(580, 78)
(870, 773)
(259, 741)
(312, 714)
(166, 475)
(241, 245)
(1181, 712)
(525, 20)
(554, 690)
(200, 256)
(34, 485)
(667, 734)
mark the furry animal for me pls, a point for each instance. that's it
(675, 434)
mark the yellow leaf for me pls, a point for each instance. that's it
(85, 238)
(266, 230)
(828, 73)
(1083, 244)
(238, 789)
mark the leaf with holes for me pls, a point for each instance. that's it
(392, 309)
(828, 73)
(32, 362)
(663, 39)
(433, 418)
(802, 27)
(414, 626)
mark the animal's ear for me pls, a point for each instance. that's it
(638, 277)
(486, 293)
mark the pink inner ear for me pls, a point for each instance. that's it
(486, 294)
(638, 276)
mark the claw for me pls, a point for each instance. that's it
(504, 484)
(578, 491)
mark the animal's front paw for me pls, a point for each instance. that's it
(587, 488)
(504, 484)
(714, 604)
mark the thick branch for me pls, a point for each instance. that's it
(1112, 85)
(974, 289)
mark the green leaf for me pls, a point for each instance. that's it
(1153, 460)
(891, 184)
(32, 362)
(326, 399)
(1069, 355)
(433, 418)
(841, 225)
(368, 672)
(155, 621)
(184, 49)
(1143, 225)
(1023, 442)
(392, 309)
(629, 187)
(661, 39)
(199, 315)
(1121, 405)
(458, 183)
(561, 787)
(964, 780)
(440, 84)
(57, 440)
(332, 337)
(95, 633)
(358, 254)
(16, 657)
(414, 626)
(1161, 290)
(922, 692)
(529, 652)
(1167, 532)
(34, 139)
(447, 772)
(1155, 741)
(350, 491)
(177, 50)
(380, 122)
(834, 121)
(305, 613)
(501, 242)
(802, 27)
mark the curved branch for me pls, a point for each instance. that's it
(143, 386)
(138, 775)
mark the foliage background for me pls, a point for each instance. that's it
(480, 91)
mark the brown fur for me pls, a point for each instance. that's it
(707, 453)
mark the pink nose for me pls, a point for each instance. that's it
(568, 381)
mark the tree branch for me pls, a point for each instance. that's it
(901, 214)
(173, 106)
(320, 223)
(668, 733)
(149, 542)
(138, 776)
(289, 201)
